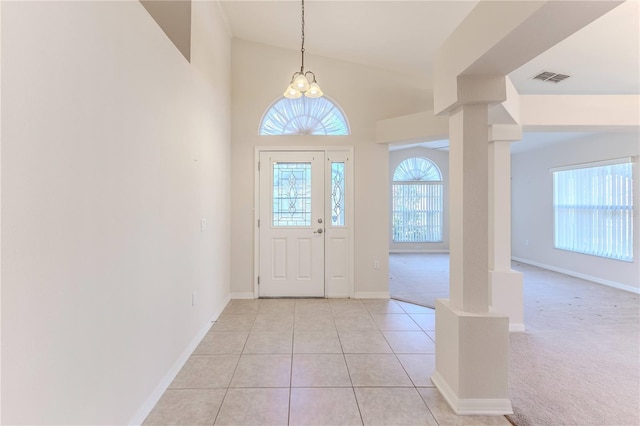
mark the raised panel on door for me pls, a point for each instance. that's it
(337, 260)
(305, 258)
(279, 258)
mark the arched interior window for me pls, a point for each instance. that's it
(417, 197)
(417, 169)
(304, 116)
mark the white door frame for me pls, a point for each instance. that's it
(333, 288)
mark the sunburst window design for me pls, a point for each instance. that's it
(304, 116)
(417, 169)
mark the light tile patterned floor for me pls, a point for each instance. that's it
(313, 362)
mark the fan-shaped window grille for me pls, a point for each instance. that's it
(417, 169)
(304, 116)
(417, 194)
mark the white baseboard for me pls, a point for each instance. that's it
(160, 389)
(470, 406)
(597, 280)
(371, 295)
(246, 295)
(402, 251)
(356, 295)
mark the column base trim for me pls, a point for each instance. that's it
(516, 328)
(467, 407)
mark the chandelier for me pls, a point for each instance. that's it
(301, 81)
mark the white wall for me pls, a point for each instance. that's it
(441, 159)
(113, 149)
(260, 75)
(532, 203)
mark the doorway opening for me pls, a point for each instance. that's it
(418, 225)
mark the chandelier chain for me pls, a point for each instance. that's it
(302, 48)
(302, 82)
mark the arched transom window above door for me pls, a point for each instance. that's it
(304, 116)
(417, 197)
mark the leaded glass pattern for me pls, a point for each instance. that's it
(337, 194)
(304, 116)
(291, 194)
(417, 169)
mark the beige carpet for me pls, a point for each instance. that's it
(578, 363)
(419, 278)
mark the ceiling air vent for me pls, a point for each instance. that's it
(552, 77)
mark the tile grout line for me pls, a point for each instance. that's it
(405, 370)
(414, 387)
(293, 337)
(235, 369)
(353, 389)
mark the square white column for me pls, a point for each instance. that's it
(472, 343)
(468, 208)
(506, 285)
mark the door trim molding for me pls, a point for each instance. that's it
(349, 209)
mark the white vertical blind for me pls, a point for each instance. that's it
(417, 212)
(593, 209)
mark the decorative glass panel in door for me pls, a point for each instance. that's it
(291, 194)
(337, 194)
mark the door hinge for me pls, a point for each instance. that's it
(258, 166)
(258, 279)
(258, 223)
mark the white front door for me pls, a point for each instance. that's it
(292, 227)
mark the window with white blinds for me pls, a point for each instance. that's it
(593, 210)
(417, 198)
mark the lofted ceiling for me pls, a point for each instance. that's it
(400, 36)
(403, 36)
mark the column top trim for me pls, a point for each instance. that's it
(505, 132)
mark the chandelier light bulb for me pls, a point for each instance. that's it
(292, 92)
(314, 91)
(301, 83)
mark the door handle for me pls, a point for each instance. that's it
(319, 231)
